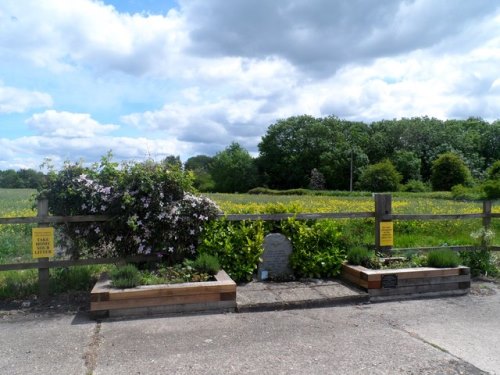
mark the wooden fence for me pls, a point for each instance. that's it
(383, 213)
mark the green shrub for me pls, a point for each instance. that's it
(237, 245)
(127, 276)
(443, 258)
(447, 171)
(494, 171)
(460, 192)
(152, 208)
(415, 186)
(491, 189)
(380, 177)
(479, 261)
(359, 256)
(206, 263)
(318, 248)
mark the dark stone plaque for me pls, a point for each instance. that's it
(389, 281)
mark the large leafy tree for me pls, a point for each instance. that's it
(291, 149)
(380, 177)
(233, 170)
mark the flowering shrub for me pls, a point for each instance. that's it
(151, 206)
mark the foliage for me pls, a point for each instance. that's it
(494, 171)
(317, 181)
(206, 263)
(21, 179)
(151, 211)
(360, 256)
(491, 189)
(465, 192)
(318, 249)
(237, 245)
(380, 177)
(479, 261)
(233, 170)
(408, 164)
(126, 276)
(449, 170)
(199, 165)
(415, 186)
(442, 258)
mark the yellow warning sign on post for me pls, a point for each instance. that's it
(386, 233)
(42, 242)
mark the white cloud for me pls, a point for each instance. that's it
(63, 35)
(14, 100)
(28, 152)
(68, 125)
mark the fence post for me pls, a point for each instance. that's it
(43, 269)
(383, 207)
(487, 214)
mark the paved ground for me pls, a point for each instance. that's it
(440, 336)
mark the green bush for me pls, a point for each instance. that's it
(237, 245)
(359, 256)
(491, 189)
(415, 186)
(380, 177)
(447, 171)
(479, 261)
(127, 276)
(206, 263)
(460, 192)
(152, 208)
(443, 258)
(494, 171)
(318, 248)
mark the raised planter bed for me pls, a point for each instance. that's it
(215, 296)
(406, 283)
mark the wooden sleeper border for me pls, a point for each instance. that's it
(215, 296)
(407, 283)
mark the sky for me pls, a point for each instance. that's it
(151, 78)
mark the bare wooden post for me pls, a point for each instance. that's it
(43, 269)
(383, 207)
(487, 214)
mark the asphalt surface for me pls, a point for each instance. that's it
(458, 335)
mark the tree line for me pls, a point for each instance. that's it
(335, 154)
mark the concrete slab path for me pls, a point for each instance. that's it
(439, 336)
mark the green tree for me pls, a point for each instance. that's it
(380, 177)
(291, 148)
(449, 170)
(233, 170)
(199, 165)
(408, 164)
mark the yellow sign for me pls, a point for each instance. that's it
(386, 233)
(42, 242)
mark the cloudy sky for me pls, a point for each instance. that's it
(150, 78)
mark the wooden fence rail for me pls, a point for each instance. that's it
(382, 214)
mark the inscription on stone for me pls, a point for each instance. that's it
(389, 281)
(277, 249)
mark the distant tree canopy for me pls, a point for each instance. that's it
(21, 179)
(233, 170)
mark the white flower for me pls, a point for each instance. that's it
(97, 230)
(191, 232)
(84, 206)
(119, 238)
(170, 249)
